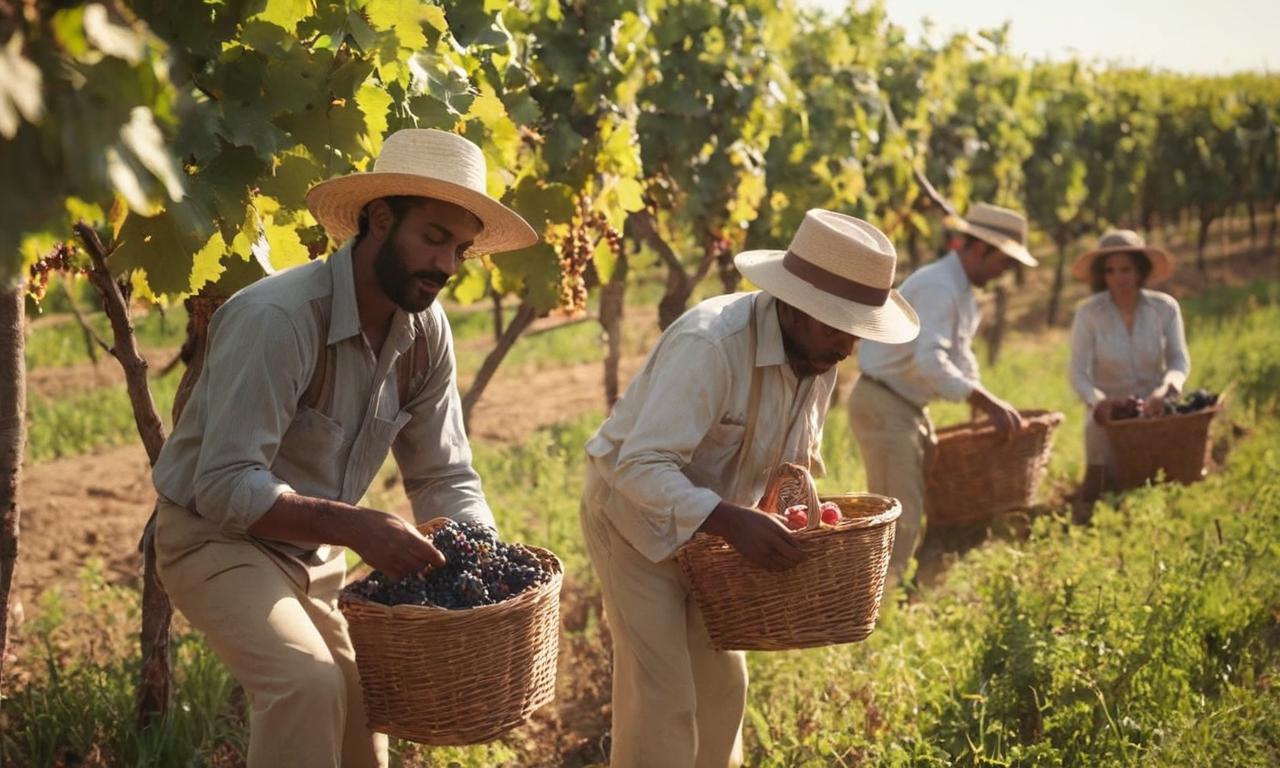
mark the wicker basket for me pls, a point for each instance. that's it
(454, 677)
(976, 474)
(832, 597)
(1175, 444)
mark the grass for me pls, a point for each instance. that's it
(89, 421)
(1148, 638)
(62, 343)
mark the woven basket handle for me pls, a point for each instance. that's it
(791, 484)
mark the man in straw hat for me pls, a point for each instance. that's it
(888, 408)
(312, 376)
(1128, 349)
(735, 386)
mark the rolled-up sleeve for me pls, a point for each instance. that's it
(1083, 340)
(1177, 360)
(689, 384)
(938, 314)
(432, 450)
(256, 364)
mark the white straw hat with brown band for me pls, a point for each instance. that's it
(1124, 241)
(422, 162)
(838, 270)
(1004, 228)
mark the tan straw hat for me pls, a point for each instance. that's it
(1004, 228)
(1124, 241)
(422, 162)
(838, 270)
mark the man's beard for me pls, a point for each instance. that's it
(803, 365)
(396, 280)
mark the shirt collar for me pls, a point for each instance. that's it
(769, 348)
(955, 270)
(344, 320)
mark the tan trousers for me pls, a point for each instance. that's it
(893, 436)
(276, 625)
(677, 702)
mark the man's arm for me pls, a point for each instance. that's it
(939, 317)
(432, 449)
(255, 369)
(384, 541)
(690, 382)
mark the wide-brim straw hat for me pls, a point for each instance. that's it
(838, 270)
(1004, 228)
(422, 162)
(1124, 241)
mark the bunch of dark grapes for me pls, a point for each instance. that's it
(60, 259)
(479, 570)
(1191, 402)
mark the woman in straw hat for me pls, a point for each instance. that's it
(735, 386)
(888, 409)
(1128, 350)
(312, 376)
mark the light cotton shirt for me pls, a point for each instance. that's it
(244, 439)
(939, 364)
(1109, 361)
(669, 451)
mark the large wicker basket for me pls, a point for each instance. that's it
(1176, 444)
(832, 597)
(976, 474)
(452, 677)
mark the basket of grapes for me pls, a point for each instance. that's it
(462, 653)
(832, 597)
(1175, 442)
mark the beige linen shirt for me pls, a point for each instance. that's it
(1107, 360)
(939, 363)
(246, 436)
(670, 449)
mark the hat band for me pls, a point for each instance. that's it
(830, 282)
(1015, 236)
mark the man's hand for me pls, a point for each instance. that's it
(391, 545)
(1004, 417)
(760, 537)
(384, 541)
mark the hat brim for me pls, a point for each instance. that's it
(1007, 245)
(893, 323)
(337, 203)
(1161, 262)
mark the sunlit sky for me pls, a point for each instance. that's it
(1205, 36)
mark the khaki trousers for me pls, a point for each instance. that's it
(893, 436)
(677, 702)
(275, 623)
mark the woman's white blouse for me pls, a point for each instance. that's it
(1109, 361)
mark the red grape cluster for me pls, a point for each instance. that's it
(578, 250)
(797, 515)
(575, 255)
(479, 570)
(60, 259)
